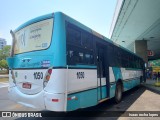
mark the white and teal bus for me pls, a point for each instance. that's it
(59, 64)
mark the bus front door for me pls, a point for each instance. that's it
(102, 74)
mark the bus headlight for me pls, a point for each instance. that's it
(47, 77)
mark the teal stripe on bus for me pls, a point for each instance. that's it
(82, 99)
(82, 66)
(117, 73)
(130, 84)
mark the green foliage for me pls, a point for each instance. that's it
(3, 64)
(4, 53)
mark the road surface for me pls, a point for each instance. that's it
(137, 99)
(3, 76)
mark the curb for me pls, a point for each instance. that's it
(151, 88)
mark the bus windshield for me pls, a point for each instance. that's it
(36, 36)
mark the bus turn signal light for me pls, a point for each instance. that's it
(47, 77)
(50, 71)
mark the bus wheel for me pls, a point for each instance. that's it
(118, 92)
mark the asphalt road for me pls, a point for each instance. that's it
(137, 99)
(2, 76)
(3, 84)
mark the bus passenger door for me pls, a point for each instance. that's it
(102, 73)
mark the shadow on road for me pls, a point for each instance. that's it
(108, 109)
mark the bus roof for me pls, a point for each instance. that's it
(69, 19)
(34, 20)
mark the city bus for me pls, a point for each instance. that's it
(59, 64)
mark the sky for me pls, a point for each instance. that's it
(96, 14)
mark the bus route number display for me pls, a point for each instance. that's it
(38, 75)
(80, 75)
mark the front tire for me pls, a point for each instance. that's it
(118, 93)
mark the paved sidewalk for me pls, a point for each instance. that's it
(150, 85)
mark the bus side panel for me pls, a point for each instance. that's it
(112, 90)
(127, 85)
(102, 87)
(55, 91)
(104, 92)
(82, 88)
(82, 99)
(57, 82)
(55, 101)
(131, 77)
(117, 73)
(112, 81)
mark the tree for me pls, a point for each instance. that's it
(4, 53)
(3, 64)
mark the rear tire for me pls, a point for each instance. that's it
(118, 92)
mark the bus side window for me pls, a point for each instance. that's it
(73, 34)
(87, 40)
(69, 57)
(111, 55)
(89, 58)
(81, 57)
(76, 57)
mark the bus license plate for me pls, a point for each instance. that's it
(26, 85)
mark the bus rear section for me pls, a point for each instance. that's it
(34, 81)
(38, 88)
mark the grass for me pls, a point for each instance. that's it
(4, 79)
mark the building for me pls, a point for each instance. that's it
(136, 26)
(3, 43)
